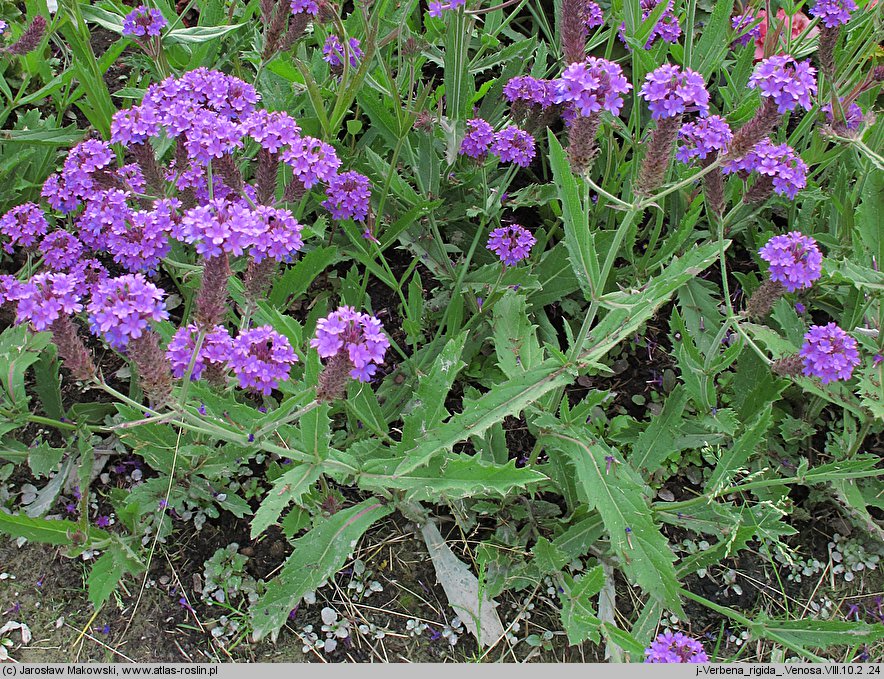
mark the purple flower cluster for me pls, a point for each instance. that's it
(261, 358)
(513, 145)
(348, 196)
(675, 648)
(219, 227)
(853, 116)
(670, 92)
(272, 130)
(122, 309)
(312, 161)
(667, 27)
(45, 298)
(511, 243)
(144, 21)
(333, 51)
(360, 336)
(829, 353)
(832, 13)
(215, 350)
(593, 17)
(140, 243)
(23, 225)
(592, 85)
(310, 7)
(524, 88)
(786, 81)
(477, 140)
(77, 181)
(278, 237)
(795, 260)
(437, 8)
(702, 138)
(786, 169)
(743, 27)
(61, 251)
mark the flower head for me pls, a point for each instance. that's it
(215, 350)
(359, 336)
(348, 195)
(593, 17)
(123, 308)
(786, 169)
(312, 161)
(747, 28)
(675, 648)
(511, 243)
(477, 140)
(333, 51)
(853, 117)
(261, 358)
(592, 85)
(144, 21)
(524, 88)
(106, 212)
(670, 91)
(436, 8)
(22, 225)
(272, 130)
(833, 13)
(702, 138)
(666, 28)
(45, 298)
(219, 227)
(140, 243)
(61, 250)
(310, 7)
(278, 238)
(829, 353)
(786, 81)
(513, 145)
(795, 260)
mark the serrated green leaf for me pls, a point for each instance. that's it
(108, 570)
(297, 279)
(657, 442)
(713, 43)
(819, 634)
(578, 614)
(515, 340)
(315, 557)
(47, 383)
(736, 457)
(289, 487)
(548, 557)
(19, 349)
(44, 530)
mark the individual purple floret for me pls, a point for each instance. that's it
(333, 51)
(524, 88)
(261, 358)
(23, 225)
(278, 237)
(272, 130)
(348, 196)
(312, 161)
(511, 243)
(46, 297)
(593, 15)
(60, 250)
(832, 13)
(592, 85)
(741, 25)
(702, 138)
(785, 81)
(666, 28)
(795, 260)
(357, 336)
(123, 308)
(670, 92)
(144, 21)
(829, 353)
(786, 170)
(513, 145)
(219, 227)
(436, 8)
(305, 7)
(675, 648)
(215, 350)
(477, 140)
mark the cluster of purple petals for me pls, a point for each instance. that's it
(829, 353)
(513, 145)
(144, 21)
(511, 243)
(437, 8)
(211, 136)
(215, 349)
(702, 138)
(853, 115)
(333, 51)
(741, 25)
(105, 212)
(348, 196)
(667, 27)
(592, 85)
(23, 225)
(76, 183)
(278, 237)
(310, 7)
(593, 17)
(312, 161)
(133, 177)
(140, 243)
(272, 130)
(60, 250)
(89, 273)
(3, 26)
(779, 162)
(122, 309)
(45, 298)
(477, 140)
(670, 92)
(261, 358)
(360, 335)
(529, 90)
(675, 647)
(833, 13)
(786, 81)
(795, 260)
(219, 227)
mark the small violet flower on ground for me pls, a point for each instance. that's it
(511, 243)
(261, 358)
(675, 648)
(144, 21)
(829, 353)
(795, 260)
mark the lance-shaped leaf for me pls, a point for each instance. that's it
(657, 442)
(46, 531)
(287, 488)
(316, 556)
(514, 338)
(117, 562)
(578, 614)
(737, 456)
(819, 634)
(619, 495)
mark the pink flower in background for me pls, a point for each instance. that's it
(796, 24)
